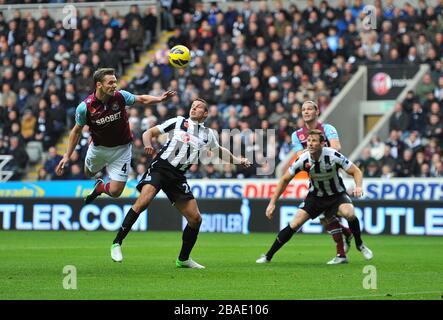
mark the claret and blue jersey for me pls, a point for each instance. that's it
(300, 137)
(108, 123)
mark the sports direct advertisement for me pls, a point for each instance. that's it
(226, 216)
(374, 189)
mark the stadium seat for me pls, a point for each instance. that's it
(34, 149)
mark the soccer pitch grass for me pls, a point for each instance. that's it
(32, 267)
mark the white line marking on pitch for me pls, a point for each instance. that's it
(378, 295)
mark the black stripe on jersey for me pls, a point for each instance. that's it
(338, 155)
(163, 149)
(317, 167)
(170, 127)
(328, 162)
(311, 183)
(333, 187)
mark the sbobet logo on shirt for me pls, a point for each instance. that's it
(226, 222)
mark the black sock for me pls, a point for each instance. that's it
(130, 219)
(189, 238)
(354, 225)
(283, 236)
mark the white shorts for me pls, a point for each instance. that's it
(117, 160)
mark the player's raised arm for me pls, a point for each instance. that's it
(226, 154)
(149, 100)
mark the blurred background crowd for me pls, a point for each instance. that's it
(254, 67)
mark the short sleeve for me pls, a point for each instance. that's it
(296, 144)
(168, 125)
(297, 166)
(129, 97)
(342, 161)
(330, 132)
(80, 114)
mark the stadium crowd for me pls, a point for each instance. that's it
(254, 67)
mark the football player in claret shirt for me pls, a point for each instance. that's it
(104, 112)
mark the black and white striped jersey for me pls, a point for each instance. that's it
(185, 141)
(324, 176)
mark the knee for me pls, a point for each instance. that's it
(348, 215)
(195, 221)
(294, 225)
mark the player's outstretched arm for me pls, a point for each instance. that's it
(74, 136)
(226, 154)
(147, 138)
(281, 186)
(356, 173)
(149, 100)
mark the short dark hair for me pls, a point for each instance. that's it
(204, 102)
(316, 132)
(100, 74)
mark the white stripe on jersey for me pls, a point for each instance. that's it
(186, 139)
(325, 179)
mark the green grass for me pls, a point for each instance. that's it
(31, 267)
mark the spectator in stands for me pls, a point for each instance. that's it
(211, 172)
(396, 145)
(399, 120)
(424, 87)
(377, 148)
(52, 162)
(42, 175)
(194, 172)
(365, 159)
(136, 38)
(386, 172)
(419, 160)
(28, 126)
(435, 128)
(413, 141)
(21, 158)
(372, 170)
(405, 167)
(76, 172)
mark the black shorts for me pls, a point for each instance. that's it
(329, 205)
(162, 175)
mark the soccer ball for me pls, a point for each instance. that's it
(179, 56)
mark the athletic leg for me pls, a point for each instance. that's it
(189, 209)
(346, 210)
(285, 234)
(144, 199)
